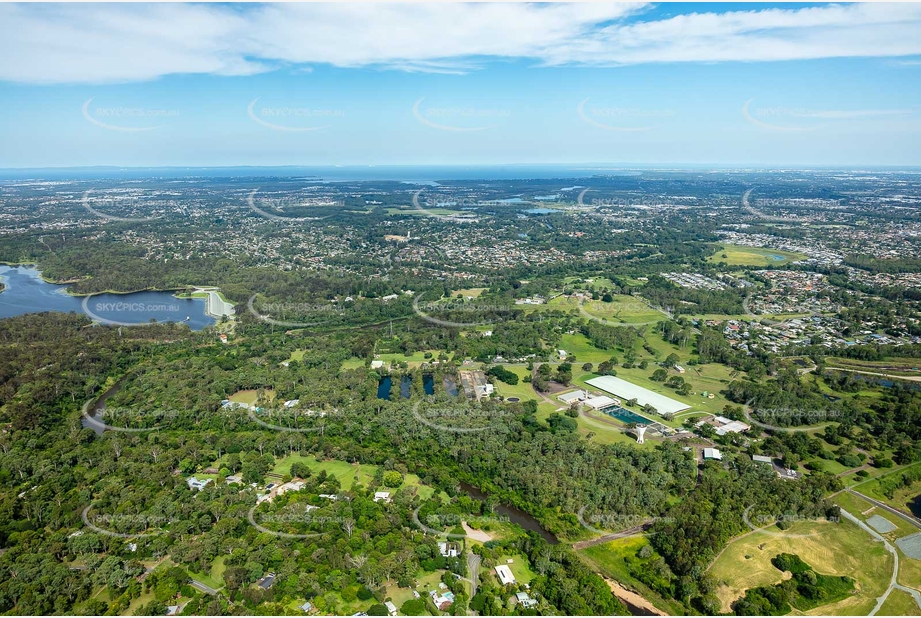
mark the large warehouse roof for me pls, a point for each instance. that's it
(626, 390)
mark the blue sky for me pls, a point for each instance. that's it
(221, 84)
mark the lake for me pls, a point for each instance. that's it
(26, 292)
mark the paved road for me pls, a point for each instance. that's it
(473, 568)
(909, 518)
(893, 582)
(873, 373)
(206, 589)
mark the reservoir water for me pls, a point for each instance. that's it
(383, 388)
(428, 383)
(405, 383)
(26, 292)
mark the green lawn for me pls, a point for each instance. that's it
(909, 568)
(900, 498)
(623, 310)
(753, 256)
(413, 361)
(519, 567)
(137, 603)
(579, 346)
(342, 470)
(208, 579)
(523, 390)
(398, 595)
(900, 604)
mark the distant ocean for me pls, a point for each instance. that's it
(398, 173)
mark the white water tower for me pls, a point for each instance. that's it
(640, 430)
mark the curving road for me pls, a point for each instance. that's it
(893, 582)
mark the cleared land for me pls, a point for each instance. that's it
(831, 549)
(348, 474)
(250, 395)
(621, 310)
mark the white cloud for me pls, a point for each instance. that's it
(98, 43)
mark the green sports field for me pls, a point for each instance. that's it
(754, 256)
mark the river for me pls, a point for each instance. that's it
(516, 516)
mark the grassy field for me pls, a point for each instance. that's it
(249, 396)
(414, 360)
(622, 310)
(580, 347)
(348, 474)
(908, 367)
(137, 603)
(398, 595)
(900, 604)
(215, 578)
(472, 292)
(900, 498)
(523, 390)
(909, 568)
(754, 256)
(519, 567)
(832, 549)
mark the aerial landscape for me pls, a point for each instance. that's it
(418, 329)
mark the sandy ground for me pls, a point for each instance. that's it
(633, 598)
(476, 535)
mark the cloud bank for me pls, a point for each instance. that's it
(105, 43)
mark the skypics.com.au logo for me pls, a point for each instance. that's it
(127, 420)
(458, 119)
(441, 524)
(296, 119)
(105, 206)
(296, 516)
(118, 524)
(622, 119)
(800, 119)
(126, 119)
(617, 525)
(762, 522)
(307, 314)
(449, 312)
(281, 204)
(794, 420)
(463, 417)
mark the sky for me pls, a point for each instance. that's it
(723, 84)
